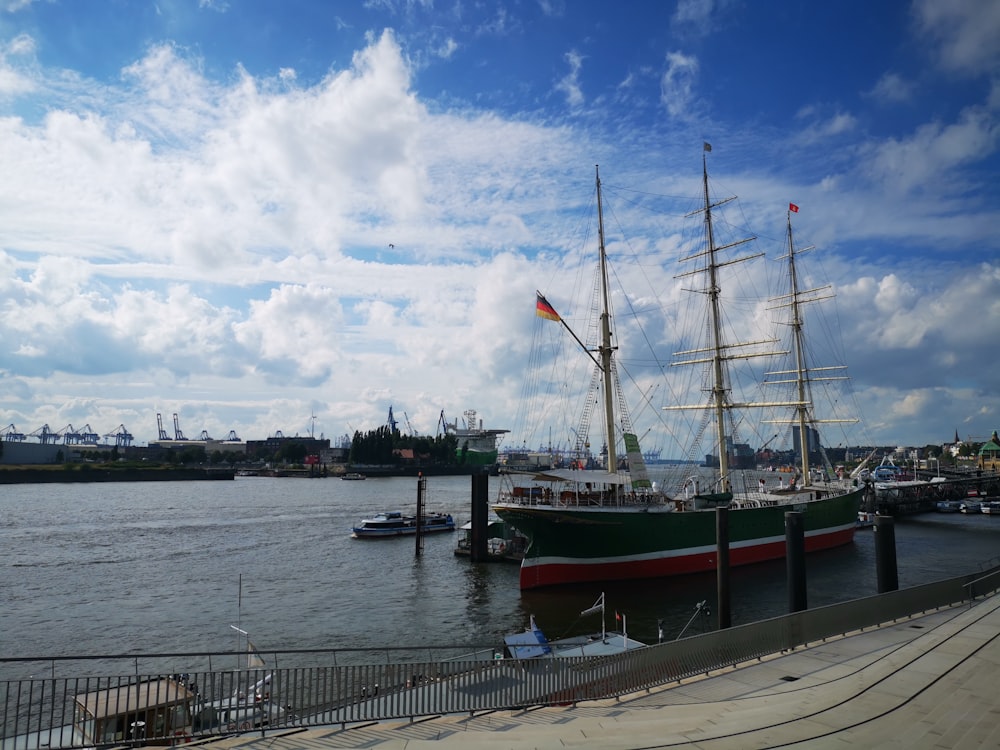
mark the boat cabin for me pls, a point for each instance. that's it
(153, 712)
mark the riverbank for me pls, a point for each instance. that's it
(77, 473)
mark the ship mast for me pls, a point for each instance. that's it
(800, 365)
(719, 387)
(718, 352)
(803, 374)
(605, 349)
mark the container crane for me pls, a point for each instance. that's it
(70, 435)
(233, 437)
(159, 427)
(45, 435)
(204, 436)
(178, 435)
(123, 438)
(11, 435)
(88, 436)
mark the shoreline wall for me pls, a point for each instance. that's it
(71, 476)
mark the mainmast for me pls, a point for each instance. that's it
(605, 349)
(717, 353)
(718, 384)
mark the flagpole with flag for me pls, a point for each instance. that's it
(544, 310)
(793, 208)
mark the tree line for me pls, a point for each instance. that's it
(380, 446)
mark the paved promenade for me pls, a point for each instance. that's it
(928, 682)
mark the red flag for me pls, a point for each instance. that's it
(793, 208)
(544, 310)
(618, 616)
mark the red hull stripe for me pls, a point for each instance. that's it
(555, 571)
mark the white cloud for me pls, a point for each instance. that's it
(447, 48)
(892, 88)
(696, 15)
(677, 82)
(570, 83)
(933, 151)
(965, 32)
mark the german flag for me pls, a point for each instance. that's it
(544, 310)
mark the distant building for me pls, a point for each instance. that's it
(270, 446)
(989, 454)
(20, 452)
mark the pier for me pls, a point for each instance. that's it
(921, 495)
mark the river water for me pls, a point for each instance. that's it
(157, 567)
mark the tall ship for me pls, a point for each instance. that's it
(611, 522)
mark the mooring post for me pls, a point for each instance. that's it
(885, 553)
(722, 565)
(421, 486)
(480, 517)
(795, 559)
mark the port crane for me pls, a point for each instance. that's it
(159, 427)
(11, 435)
(70, 435)
(45, 435)
(178, 435)
(123, 437)
(88, 436)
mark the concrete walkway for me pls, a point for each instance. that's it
(931, 681)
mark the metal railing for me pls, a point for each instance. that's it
(348, 686)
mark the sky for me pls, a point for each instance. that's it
(289, 217)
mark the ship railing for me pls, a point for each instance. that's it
(345, 687)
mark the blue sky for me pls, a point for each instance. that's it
(251, 213)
